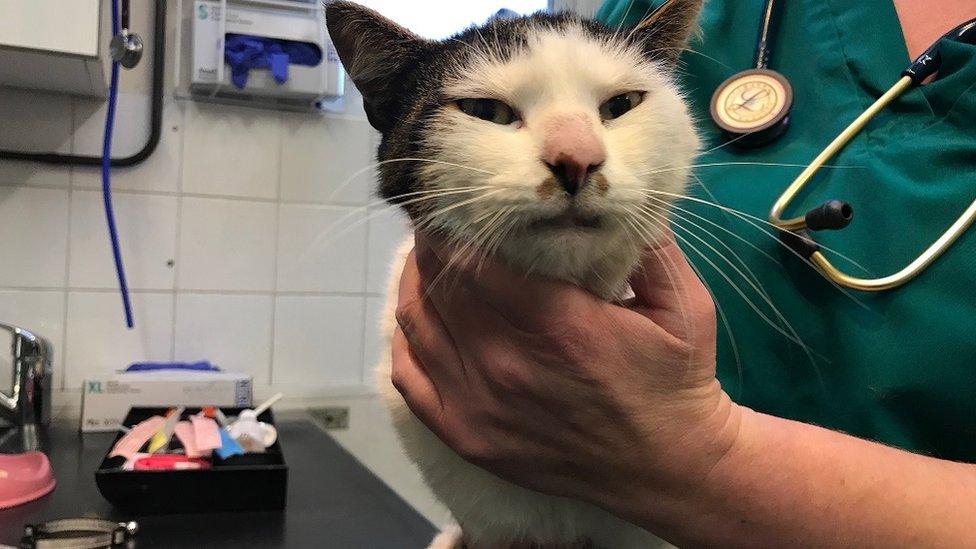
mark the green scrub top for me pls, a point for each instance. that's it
(898, 367)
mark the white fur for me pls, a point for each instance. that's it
(558, 73)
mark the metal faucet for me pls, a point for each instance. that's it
(29, 402)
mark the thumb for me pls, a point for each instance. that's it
(666, 286)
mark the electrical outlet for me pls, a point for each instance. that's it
(333, 418)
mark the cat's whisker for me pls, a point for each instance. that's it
(440, 276)
(651, 6)
(755, 223)
(465, 44)
(762, 231)
(477, 221)
(623, 20)
(755, 279)
(728, 329)
(752, 305)
(676, 218)
(775, 237)
(327, 237)
(714, 199)
(488, 52)
(475, 243)
(710, 58)
(745, 218)
(680, 295)
(724, 164)
(748, 218)
(349, 180)
(419, 196)
(495, 238)
(686, 217)
(718, 308)
(726, 143)
(689, 50)
(756, 287)
(461, 245)
(438, 213)
(429, 220)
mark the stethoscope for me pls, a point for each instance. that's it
(753, 109)
(126, 46)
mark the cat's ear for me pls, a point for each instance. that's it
(665, 33)
(375, 51)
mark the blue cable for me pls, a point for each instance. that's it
(106, 175)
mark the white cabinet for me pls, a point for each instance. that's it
(57, 45)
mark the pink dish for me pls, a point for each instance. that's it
(24, 478)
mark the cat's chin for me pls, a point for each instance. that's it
(596, 257)
(569, 221)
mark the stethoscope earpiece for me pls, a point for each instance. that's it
(833, 215)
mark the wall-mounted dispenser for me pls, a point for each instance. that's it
(263, 52)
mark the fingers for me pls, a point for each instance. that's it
(669, 292)
(428, 337)
(410, 379)
(525, 302)
(664, 277)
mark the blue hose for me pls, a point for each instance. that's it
(113, 95)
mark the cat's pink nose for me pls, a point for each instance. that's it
(572, 151)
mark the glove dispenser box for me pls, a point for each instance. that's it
(294, 30)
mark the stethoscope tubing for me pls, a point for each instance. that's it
(772, 15)
(795, 232)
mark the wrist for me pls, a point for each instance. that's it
(720, 496)
(678, 480)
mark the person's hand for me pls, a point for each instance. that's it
(546, 385)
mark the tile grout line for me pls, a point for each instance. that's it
(177, 249)
(67, 259)
(67, 285)
(206, 196)
(170, 291)
(277, 245)
(363, 368)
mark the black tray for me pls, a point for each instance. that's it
(239, 483)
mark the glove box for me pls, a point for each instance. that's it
(304, 68)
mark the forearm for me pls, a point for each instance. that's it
(788, 484)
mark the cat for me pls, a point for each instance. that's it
(537, 139)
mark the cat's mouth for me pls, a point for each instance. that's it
(569, 219)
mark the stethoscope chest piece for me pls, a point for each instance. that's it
(753, 107)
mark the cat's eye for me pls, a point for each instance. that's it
(491, 110)
(619, 105)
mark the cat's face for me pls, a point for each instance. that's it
(548, 133)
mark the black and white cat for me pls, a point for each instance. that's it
(536, 139)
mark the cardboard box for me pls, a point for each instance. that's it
(106, 400)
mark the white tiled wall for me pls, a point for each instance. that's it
(248, 239)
